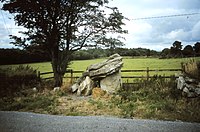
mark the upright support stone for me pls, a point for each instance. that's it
(111, 83)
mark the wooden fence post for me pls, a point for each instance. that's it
(71, 75)
(38, 74)
(147, 73)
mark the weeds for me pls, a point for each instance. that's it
(157, 98)
(191, 68)
(35, 103)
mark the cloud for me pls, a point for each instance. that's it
(188, 4)
(196, 32)
(179, 34)
(150, 33)
(160, 33)
(7, 27)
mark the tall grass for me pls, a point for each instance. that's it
(191, 68)
(157, 98)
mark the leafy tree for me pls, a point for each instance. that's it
(188, 51)
(148, 52)
(197, 48)
(165, 53)
(176, 49)
(64, 26)
(111, 43)
(177, 45)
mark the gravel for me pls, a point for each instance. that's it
(30, 122)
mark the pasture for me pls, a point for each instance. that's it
(130, 63)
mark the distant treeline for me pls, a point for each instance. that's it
(18, 56)
(37, 54)
(177, 50)
(99, 53)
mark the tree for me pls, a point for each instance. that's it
(148, 53)
(111, 43)
(197, 48)
(176, 49)
(188, 51)
(64, 26)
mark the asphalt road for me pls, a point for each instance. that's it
(30, 122)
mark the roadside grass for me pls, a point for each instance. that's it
(156, 99)
(38, 103)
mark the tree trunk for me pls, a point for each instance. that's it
(59, 59)
(59, 66)
(58, 78)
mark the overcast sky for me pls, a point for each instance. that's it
(155, 34)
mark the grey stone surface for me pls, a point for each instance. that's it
(111, 83)
(189, 86)
(29, 122)
(106, 68)
(106, 72)
(56, 89)
(75, 87)
(87, 84)
(180, 82)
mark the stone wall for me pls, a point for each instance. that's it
(189, 86)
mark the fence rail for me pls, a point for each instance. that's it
(147, 76)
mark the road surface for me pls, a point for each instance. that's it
(30, 122)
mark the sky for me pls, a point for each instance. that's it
(154, 33)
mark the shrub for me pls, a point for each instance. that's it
(13, 80)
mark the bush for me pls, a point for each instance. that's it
(13, 80)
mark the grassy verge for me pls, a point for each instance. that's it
(157, 99)
(154, 99)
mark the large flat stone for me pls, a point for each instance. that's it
(111, 83)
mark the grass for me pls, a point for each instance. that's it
(129, 63)
(39, 103)
(191, 69)
(157, 98)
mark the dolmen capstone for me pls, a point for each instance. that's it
(105, 75)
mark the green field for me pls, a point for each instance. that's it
(129, 64)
